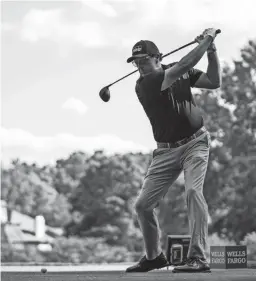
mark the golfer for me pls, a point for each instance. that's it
(183, 144)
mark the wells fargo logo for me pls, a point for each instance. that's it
(228, 256)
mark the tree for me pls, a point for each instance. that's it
(15, 189)
(68, 172)
(58, 212)
(104, 198)
(26, 189)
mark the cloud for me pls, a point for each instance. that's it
(152, 13)
(168, 21)
(18, 143)
(76, 105)
(101, 7)
(196, 13)
(7, 26)
(41, 24)
(18, 137)
(51, 25)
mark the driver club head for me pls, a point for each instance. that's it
(105, 94)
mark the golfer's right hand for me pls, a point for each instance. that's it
(199, 38)
(210, 32)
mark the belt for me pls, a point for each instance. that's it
(181, 142)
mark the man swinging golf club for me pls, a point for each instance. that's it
(183, 144)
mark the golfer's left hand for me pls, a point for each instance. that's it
(207, 32)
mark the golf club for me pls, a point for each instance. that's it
(105, 93)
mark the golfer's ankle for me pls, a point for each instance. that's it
(153, 256)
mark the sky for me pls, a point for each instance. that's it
(56, 56)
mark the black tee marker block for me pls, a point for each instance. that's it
(177, 249)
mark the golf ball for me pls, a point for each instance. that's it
(43, 270)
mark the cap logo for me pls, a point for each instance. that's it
(137, 49)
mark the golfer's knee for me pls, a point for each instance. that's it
(141, 206)
(191, 192)
(195, 195)
(146, 201)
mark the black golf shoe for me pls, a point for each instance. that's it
(193, 264)
(145, 265)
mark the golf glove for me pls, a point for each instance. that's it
(210, 32)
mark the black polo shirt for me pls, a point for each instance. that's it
(173, 113)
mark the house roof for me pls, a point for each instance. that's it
(25, 222)
(15, 235)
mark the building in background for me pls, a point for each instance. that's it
(20, 230)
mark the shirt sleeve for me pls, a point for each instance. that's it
(194, 74)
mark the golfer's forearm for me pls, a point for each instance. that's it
(193, 57)
(213, 69)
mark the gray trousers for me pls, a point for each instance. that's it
(165, 168)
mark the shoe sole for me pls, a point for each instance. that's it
(191, 271)
(163, 266)
(156, 268)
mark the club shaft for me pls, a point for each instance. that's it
(122, 78)
(184, 46)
